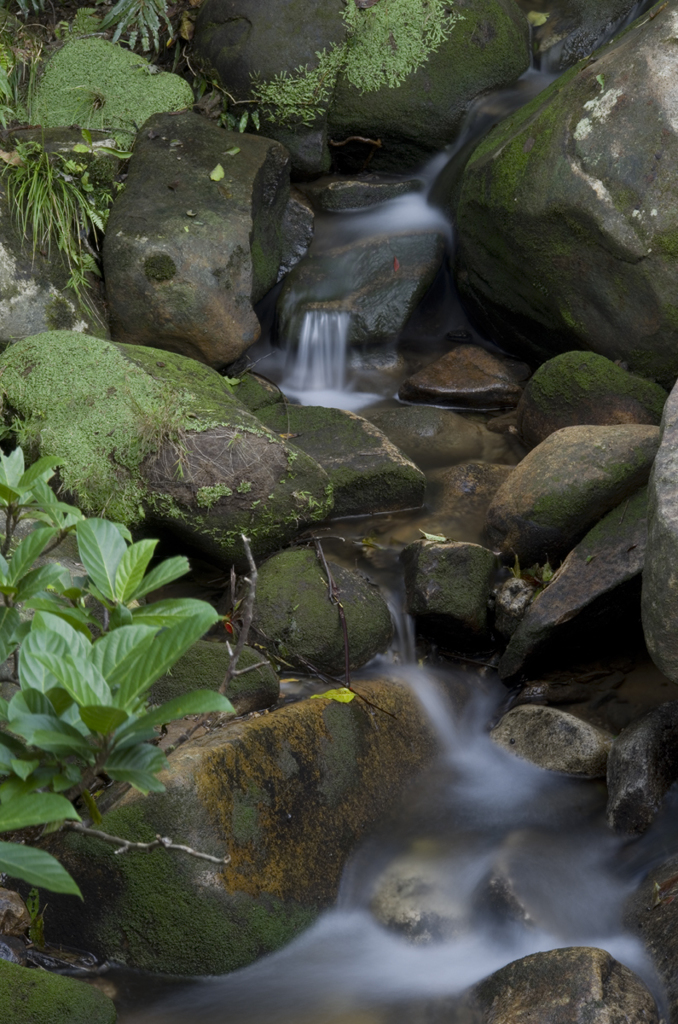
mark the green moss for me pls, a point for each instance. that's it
(616, 524)
(671, 314)
(208, 496)
(38, 997)
(575, 377)
(667, 243)
(160, 267)
(340, 753)
(59, 314)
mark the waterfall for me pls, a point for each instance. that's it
(319, 362)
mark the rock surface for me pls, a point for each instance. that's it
(642, 766)
(575, 28)
(593, 596)
(296, 231)
(152, 437)
(185, 255)
(14, 916)
(40, 997)
(295, 618)
(465, 490)
(583, 387)
(469, 377)
(564, 243)
(656, 924)
(412, 897)
(287, 794)
(554, 739)
(366, 470)
(512, 599)
(447, 587)
(333, 194)
(565, 485)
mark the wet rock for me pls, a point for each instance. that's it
(642, 766)
(468, 376)
(660, 586)
(288, 795)
(563, 986)
(554, 739)
(466, 490)
(583, 387)
(512, 599)
(575, 28)
(447, 587)
(185, 256)
(297, 231)
(152, 437)
(440, 437)
(655, 922)
(295, 618)
(565, 485)
(366, 470)
(361, 279)
(336, 194)
(564, 245)
(594, 596)
(39, 997)
(204, 666)
(255, 392)
(13, 950)
(414, 897)
(14, 916)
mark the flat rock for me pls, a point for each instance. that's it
(554, 739)
(594, 595)
(565, 485)
(368, 473)
(656, 924)
(584, 387)
(642, 766)
(469, 377)
(335, 194)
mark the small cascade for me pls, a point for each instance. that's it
(319, 362)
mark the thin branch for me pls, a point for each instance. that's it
(357, 138)
(248, 615)
(125, 845)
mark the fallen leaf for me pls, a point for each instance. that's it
(11, 157)
(433, 536)
(343, 695)
(232, 381)
(232, 152)
(396, 264)
(287, 437)
(189, 213)
(600, 79)
(218, 173)
(187, 26)
(537, 18)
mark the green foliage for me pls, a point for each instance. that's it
(36, 931)
(538, 576)
(141, 19)
(85, 662)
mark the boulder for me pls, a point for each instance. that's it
(469, 377)
(642, 766)
(577, 27)
(14, 916)
(439, 437)
(101, 86)
(287, 794)
(153, 439)
(296, 231)
(554, 739)
(512, 598)
(295, 618)
(563, 242)
(655, 922)
(593, 597)
(584, 387)
(204, 666)
(378, 281)
(467, 490)
(366, 470)
(40, 997)
(563, 986)
(565, 485)
(414, 898)
(332, 194)
(660, 586)
(195, 238)
(447, 588)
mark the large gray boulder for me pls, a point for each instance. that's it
(576, 27)
(188, 248)
(566, 238)
(652, 914)
(554, 739)
(642, 766)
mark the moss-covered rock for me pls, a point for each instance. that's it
(564, 486)
(150, 437)
(447, 587)
(287, 794)
(204, 666)
(295, 617)
(562, 244)
(38, 997)
(366, 470)
(584, 387)
(98, 85)
(186, 255)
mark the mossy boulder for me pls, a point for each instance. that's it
(447, 587)
(584, 387)
(155, 440)
(186, 254)
(39, 997)
(367, 472)
(562, 243)
(204, 666)
(295, 618)
(564, 486)
(99, 85)
(288, 795)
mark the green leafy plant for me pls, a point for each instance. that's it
(538, 576)
(36, 930)
(141, 19)
(84, 661)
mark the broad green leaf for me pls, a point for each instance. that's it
(78, 618)
(218, 173)
(80, 147)
(122, 154)
(8, 494)
(29, 702)
(35, 809)
(154, 660)
(133, 565)
(434, 536)
(169, 571)
(101, 719)
(234, 150)
(168, 612)
(87, 136)
(138, 766)
(4, 706)
(56, 742)
(23, 768)
(343, 695)
(38, 580)
(119, 617)
(36, 674)
(30, 548)
(37, 868)
(78, 677)
(43, 469)
(9, 620)
(12, 468)
(59, 699)
(110, 652)
(101, 549)
(91, 805)
(199, 702)
(52, 734)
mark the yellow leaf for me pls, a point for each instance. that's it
(187, 26)
(433, 536)
(537, 18)
(343, 695)
(218, 173)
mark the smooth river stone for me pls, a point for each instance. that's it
(468, 376)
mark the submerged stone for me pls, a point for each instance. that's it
(469, 377)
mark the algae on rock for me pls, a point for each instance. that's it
(40, 997)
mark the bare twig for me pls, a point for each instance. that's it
(125, 845)
(357, 138)
(248, 615)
